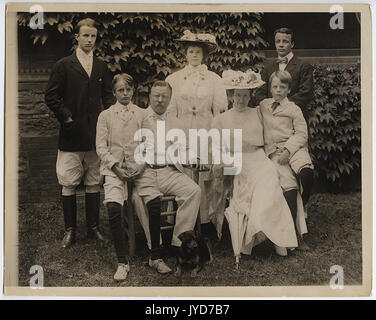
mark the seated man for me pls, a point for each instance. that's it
(160, 178)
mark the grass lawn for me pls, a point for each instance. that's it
(335, 238)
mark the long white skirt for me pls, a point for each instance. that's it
(257, 194)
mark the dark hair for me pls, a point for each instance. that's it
(122, 76)
(161, 83)
(283, 76)
(88, 22)
(286, 31)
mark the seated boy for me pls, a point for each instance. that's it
(114, 145)
(286, 138)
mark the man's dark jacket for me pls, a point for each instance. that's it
(71, 93)
(302, 82)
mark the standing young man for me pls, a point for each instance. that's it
(301, 73)
(78, 89)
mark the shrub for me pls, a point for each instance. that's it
(335, 124)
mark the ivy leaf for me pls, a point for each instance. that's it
(244, 57)
(60, 28)
(234, 29)
(51, 21)
(251, 31)
(44, 38)
(165, 70)
(67, 25)
(116, 44)
(327, 117)
(36, 38)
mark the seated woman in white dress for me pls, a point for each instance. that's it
(257, 200)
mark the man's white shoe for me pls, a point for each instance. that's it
(121, 272)
(160, 266)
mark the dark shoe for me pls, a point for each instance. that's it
(302, 245)
(69, 238)
(94, 233)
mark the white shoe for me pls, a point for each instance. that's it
(121, 272)
(160, 266)
(280, 251)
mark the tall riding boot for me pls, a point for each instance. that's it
(70, 216)
(154, 209)
(117, 231)
(306, 179)
(92, 203)
(290, 197)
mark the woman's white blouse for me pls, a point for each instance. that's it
(197, 96)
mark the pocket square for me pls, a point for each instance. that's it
(100, 79)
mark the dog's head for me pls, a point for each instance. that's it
(188, 241)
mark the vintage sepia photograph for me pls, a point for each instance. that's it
(188, 150)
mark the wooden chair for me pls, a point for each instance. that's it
(165, 200)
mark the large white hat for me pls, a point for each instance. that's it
(241, 80)
(206, 39)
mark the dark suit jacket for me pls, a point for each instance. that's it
(71, 93)
(301, 87)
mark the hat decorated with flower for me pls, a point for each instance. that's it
(232, 79)
(205, 39)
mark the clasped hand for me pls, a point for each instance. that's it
(127, 174)
(284, 157)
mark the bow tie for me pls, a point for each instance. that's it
(282, 60)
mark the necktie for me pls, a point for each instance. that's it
(275, 105)
(282, 60)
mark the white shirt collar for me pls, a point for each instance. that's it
(284, 101)
(82, 54)
(120, 107)
(155, 115)
(288, 56)
(200, 69)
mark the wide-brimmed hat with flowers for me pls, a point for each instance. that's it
(205, 39)
(232, 79)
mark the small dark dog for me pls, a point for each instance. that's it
(194, 251)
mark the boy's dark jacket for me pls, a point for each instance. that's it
(71, 93)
